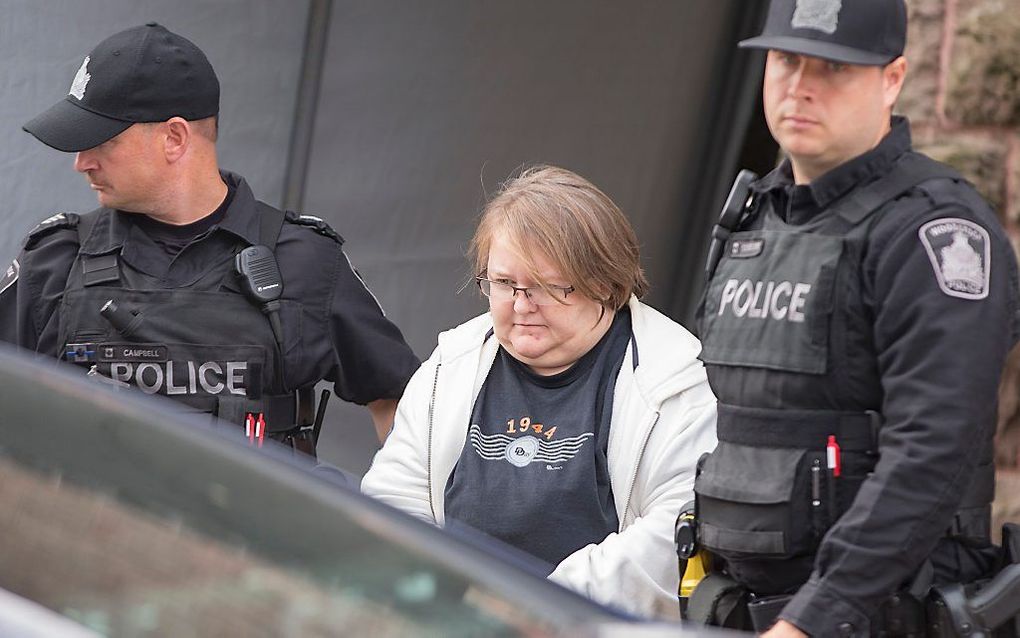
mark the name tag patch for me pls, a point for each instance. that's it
(132, 352)
(746, 248)
(960, 255)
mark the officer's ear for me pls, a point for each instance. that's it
(893, 75)
(177, 137)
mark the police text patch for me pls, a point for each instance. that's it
(960, 254)
(10, 276)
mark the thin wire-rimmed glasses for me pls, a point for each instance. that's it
(502, 291)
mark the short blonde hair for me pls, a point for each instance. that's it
(567, 219)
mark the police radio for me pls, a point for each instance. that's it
(729, 219)
(259, 273)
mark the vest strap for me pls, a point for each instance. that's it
(99, 269)
(96, 269)
(803, 429)
(270, 224)
(911, 169)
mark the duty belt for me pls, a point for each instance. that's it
(802, 429)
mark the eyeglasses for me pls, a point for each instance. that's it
(502, 291)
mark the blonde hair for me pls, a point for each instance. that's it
(565, 218)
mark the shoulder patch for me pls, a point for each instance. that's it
(317, 224)
(10, 276)
(60, 220)
(960, 253)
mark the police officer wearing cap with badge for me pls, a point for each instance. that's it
(183, 284)
(855, 324)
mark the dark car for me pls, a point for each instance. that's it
(131, 520)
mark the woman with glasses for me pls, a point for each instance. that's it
(567, 420)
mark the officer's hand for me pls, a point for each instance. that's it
(783, 629)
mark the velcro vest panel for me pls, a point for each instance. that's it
(204, 345)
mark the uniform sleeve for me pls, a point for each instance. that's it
(636, 568)
(31, 288)
(372, 359)
(943, 327)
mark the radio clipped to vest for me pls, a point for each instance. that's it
(736, 203)
(261, 281)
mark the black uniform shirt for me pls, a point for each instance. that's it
(173, 238)
(344, 337)
(934, 356)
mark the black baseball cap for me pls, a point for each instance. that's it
(143, 74)
(865, 32)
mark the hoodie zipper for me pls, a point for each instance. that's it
(641, 456)
(432, 406)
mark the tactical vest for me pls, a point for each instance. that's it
(205, 344)
(790, 352)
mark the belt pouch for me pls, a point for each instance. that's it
(765, 611)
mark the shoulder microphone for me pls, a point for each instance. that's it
(259, 273)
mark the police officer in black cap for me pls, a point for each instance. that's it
(183, 284)
(855, 325)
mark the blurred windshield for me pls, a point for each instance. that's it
(136, 523)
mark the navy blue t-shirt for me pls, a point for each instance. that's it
(533, 471)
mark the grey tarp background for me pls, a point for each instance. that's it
(423, 109)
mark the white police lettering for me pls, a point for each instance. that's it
(81, 80)
(10, 276)
(780, 301)
(960, 254)
(172, 389)
(235, 376)
(143, 384)
(141, 353)
(210, 388)
(820, 15)
(182, 377)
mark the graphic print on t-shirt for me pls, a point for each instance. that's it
(523, 450)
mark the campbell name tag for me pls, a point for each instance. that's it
(131, 352)
(746, 248)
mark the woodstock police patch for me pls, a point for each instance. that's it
(960, 254)
(9, 276)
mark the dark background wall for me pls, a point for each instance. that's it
(419, 112)
(255, 46)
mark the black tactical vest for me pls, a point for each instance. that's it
(205, 345)
(790, 354)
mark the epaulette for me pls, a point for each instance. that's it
(48, 225)
(958, 195)
(316, 223)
